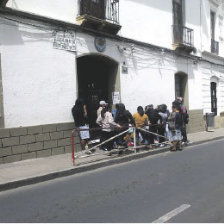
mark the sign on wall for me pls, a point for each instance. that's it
(64, 40)
(116, 97)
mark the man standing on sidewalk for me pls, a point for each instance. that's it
(185, 116)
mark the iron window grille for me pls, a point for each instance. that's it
(101, 9)
(183, 35)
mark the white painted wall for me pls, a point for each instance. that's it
(206, 31)
(193, 21)
(210, 73)
(65, 10)
(148, 21)
(40, 84)
(38, 81)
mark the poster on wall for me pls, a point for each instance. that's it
(116, 97)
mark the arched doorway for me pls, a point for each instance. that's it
(98, 77)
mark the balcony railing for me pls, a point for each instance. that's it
(183, 35)
(214, 46)
(105, 10)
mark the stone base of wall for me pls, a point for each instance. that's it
(34, 142)
(196, 121)
(219, 122)
(45, 140)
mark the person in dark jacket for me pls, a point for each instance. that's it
(153, 119)
(123, 118)
(79, 113)
(185, 117)
(163, 113)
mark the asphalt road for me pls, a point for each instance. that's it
(186, 186)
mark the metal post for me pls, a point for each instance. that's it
(135, 139)
(206, 121)
(73, 149)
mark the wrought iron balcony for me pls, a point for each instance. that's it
(214, 46)
(183, 38)
(99, 15)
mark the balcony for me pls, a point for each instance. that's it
(183, 39)
(99, 15)
(214, 47)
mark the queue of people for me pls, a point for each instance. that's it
(160, 124)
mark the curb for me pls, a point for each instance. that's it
(91, 166)
(80, 169)
(204, 141)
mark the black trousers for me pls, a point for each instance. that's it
(161, 131)
(105, 135)
(184, 132)
(151, 136)
(120, 140)
(143, 134)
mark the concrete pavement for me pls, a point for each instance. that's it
(32, 171)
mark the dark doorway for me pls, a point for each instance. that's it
(97, 80)
(213, 97)
(180, 85)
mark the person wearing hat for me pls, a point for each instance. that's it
(102, 105)
(106, 122)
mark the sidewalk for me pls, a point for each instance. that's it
(32, 171)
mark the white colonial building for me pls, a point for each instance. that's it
(138, 52)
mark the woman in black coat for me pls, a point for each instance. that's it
(79, 113)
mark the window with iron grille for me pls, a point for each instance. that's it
(181, 34)
(214, 43)
(101, 9)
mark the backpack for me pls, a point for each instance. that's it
(184, 113)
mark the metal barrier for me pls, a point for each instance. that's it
(133, 148)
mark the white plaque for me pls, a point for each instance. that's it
(116, 97)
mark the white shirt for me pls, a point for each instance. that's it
(107, 123)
